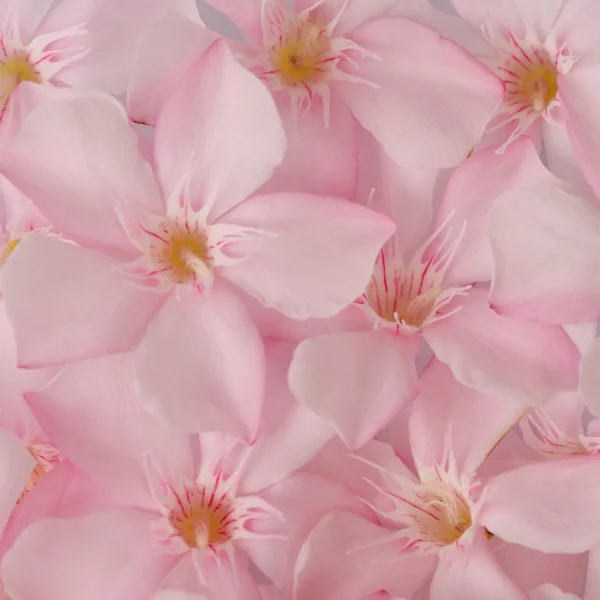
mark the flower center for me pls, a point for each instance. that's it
(16, 68)
(411, 296)
(530, 75)
(179, 251)
(442, 514)
(202, 517)
(398, 296)
(530, 70)
(301, 54)
(47, 457)
(545, 437)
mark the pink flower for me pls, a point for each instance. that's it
(546, 53)
(422, 289)
(161, 262)
(69, 43)
(329, 64)
(442, 515)
(186, 504)
(346, 49)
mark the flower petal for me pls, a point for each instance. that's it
(549, 506)
(499, 355)
(122, 560)
(546, 247)
(407, 196)
(589, 384)
(302, 499)
(472, 575)
(63, 492)
(530, 568)
(290, 434)
(222, 123)
(346, 556)
(470, 194)
(300, 267)
(592, 588)
(201, 365)
(16, 465)
(93, 415)
(446, 412)
(27, 15)
(578, 92)
(418, 126)
(319, 159)
(67, 303)
(112, 29)
(98, 167)
(355, 381)
(161, 58)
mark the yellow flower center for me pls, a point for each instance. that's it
(180, 251)
(15, 69)
(445, 514)
(300, 56)
(538, 85)
(202, 518)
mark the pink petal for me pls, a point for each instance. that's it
(121, 561)
(559, 155)
(348, 557)
(550, 506)
(162, 57)
(222, 123)
(63, 492)
(16, 465)
(446, 413)
(14, 412)
(473, 576)
(290, 434)
(355, 381)
(226, 577)
(546, 247)
(319, 159)
(407, 196)
(97, 167)
(589, 384)
(499, 355)
(472, 190)
(67, 303)
(215, 384)
(511, 15)
(27, 14)
(529, 568)
(302, 499)
(300, 267)
(358, 469)
(407, 105)
(578, 92)
(110, 40)
(93, 415)
(592, 588)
